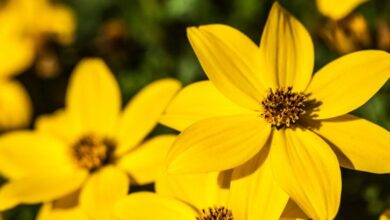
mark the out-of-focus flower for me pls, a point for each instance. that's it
(15, 105)
(264, 100)
(79, 160)
(336, 9)
(385, 215)
(200, 197)
(24, 27)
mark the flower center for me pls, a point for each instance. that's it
(283, 107)
(216, 213)
(92, 152)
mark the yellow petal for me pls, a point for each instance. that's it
(231, 61)
(337, 9)
(348, 82)
(93, 99)
(48, 212)
(358, 143)
(60, 21)
(143, 112)
(218, 144)
(145, 162)
(292, 211)
(254, 192)
(385, 215)
(288, 49)
(150, 206)
(15, 104)
(40, 188)
(307, 169)
(198, 101)
(102, 190)
(199, 190)
(27, 153)
(59, 125)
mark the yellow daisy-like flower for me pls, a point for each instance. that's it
(15, 105)
(264, 101)
(197, 197)
(24, 24)
(90, 148)
(337, 9)
(385, 215)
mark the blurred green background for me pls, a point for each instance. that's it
(145, 40)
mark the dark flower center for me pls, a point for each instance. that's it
(216, 213)
(283, 107)
(92, 152)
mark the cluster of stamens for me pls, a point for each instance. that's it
(283, 107)
(92, 152)
(216, 213)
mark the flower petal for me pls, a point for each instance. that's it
(292, 211)
(358, 143)
(254, 194)
(307, 169)
(16, 109)
(102, 190)
(48, 212)
(199, 190)
(196, 102)
(25, 153)
(348, 82)
(327, 7)
(143, 112)
(148, 160)
(151, 206)
(40, 188)
(93, 99)
(231, 61)
(218, 144)
(288, 49)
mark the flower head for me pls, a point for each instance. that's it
(86, 152)
(262, 102)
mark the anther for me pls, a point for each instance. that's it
(283, 107)
(215, 213)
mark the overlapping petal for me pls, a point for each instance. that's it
(307, 169)
(93, 99)
(218, 144)
(337, 9)
(200, 100)
(146, 162)
(288, 50)
(102, 190)
(28, 153)
(358, 143)
(43, 187)
(254, 192)
(150, 206)
(143, 112)
(231, 61)
(348, 82)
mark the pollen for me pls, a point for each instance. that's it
(283, 107)
(91, 152)
(215, 213)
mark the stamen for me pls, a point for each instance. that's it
(216, 213)
(283, 107)
(92, 152)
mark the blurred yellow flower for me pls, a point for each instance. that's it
(385, 215)
(24, 25)
(201, 197)
(263, 100)
(336, 9)
(90, 148)
(15, 106)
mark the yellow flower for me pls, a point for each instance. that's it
(23, 26)
(385, 215)
(337, 9)
(200, 197)
(263, 101)
(15, 105)
(90, 148)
